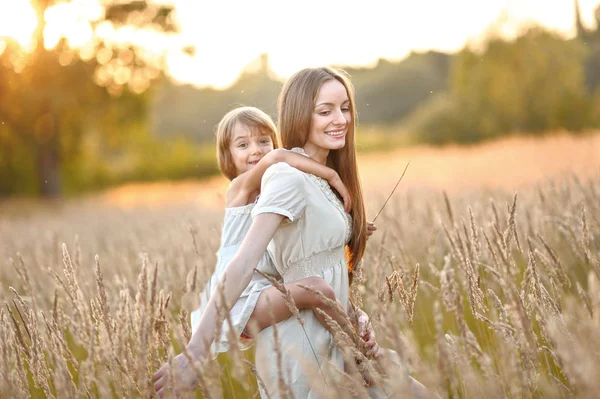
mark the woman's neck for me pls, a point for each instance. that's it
(318, 154)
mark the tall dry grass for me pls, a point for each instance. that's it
(483, 294)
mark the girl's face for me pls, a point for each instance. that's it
(248, 146)
(330, 120)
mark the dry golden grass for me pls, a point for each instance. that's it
(483, 293)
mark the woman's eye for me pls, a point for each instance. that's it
(324, 113)
(346, 109)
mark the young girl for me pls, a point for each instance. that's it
(246, 138)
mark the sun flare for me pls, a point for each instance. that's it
(19, 23)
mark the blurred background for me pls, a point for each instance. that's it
(113, 96)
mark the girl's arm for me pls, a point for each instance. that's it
(237, 276)
(250, 181)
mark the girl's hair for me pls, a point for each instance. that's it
(296, 106)
(254, 119)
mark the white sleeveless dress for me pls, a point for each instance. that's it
(309, 243)
(236, 224)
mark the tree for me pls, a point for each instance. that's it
(51, 98)
(591, 39)
(532, 84)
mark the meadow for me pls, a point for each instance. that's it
(484, 276)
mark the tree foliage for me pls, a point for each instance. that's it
(53, 100)
(533, 84)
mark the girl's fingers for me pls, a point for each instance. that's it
(347, 204)
(160, 373)
(160, 384)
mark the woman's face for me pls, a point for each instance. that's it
(248, 146)
(330, 119)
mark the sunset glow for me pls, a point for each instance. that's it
(19, 23)
(226, 41)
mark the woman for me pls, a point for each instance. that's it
(304, 226)
(316, 117)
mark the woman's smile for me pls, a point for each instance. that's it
(336, 133)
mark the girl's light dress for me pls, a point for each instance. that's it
(236, 224)
(309, 243)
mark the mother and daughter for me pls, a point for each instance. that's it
(283, 218)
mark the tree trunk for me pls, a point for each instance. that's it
(46, 131)
(49, 168)
(46, 128)
(7, 171)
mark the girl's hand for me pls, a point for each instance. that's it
(336, 182)
(184, 377)
(371, 228)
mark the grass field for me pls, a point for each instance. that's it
(484, 293)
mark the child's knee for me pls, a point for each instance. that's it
(322, 286)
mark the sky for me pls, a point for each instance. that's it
(228, 35)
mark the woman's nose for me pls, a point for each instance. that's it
(339, 118)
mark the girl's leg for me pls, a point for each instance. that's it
(271, 301)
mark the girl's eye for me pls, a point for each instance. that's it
(242, 145)
(324, 113)
(346, 109)
(265, 142)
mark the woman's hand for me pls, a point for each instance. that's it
(373, 349)
(365, 330)
(336, 182)
(371, 228)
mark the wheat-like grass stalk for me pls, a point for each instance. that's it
(17, 331)
(392, 193)
(259, 380)
(448, 208)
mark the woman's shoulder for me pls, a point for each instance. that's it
(282, 171)
(284, 168)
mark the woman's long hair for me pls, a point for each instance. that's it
(295, 109)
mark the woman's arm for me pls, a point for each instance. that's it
(237, 277)
(250, 181)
